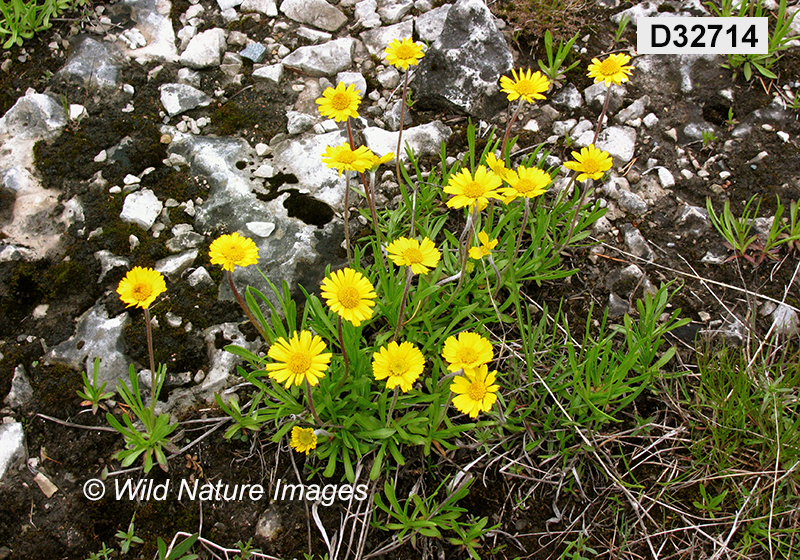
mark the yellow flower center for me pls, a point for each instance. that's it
(590, 166)
(467, 355)
(349, 297)
(525, 87)
(306, 438)
(347, 157)
(234, 253)
(413, 255)
(473, 189)
(405, 52)
(524, 185)
(609, 67)
(142, 291)
(340, 101)
(298, 363)
(477, 390)
(398, 368)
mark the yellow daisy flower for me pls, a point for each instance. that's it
(475, 392)
(591, 162)
(527, 182)
(468, 351)
(526, 86)
(303, 439)
(497, 165)
(301, 358)
(233, 250)
(469, 190)
(399, 364)
(377, 161)
(421, 257)
(403, 54)
(349, 294)
(612, 70)
(341, 103)
(344, 158)
(485, 247)
(141, 286)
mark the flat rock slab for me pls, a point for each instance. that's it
(318, 13)
(326, 59)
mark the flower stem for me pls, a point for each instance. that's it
(370, 198)
(311, 403)
(244, 307)
(344, 350)
(522, 226)
(508, 129)
(400, 317)
(347, 218)
(391, 408)
(400, 133)
(602, 113)
(149, 332)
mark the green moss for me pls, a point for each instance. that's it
(66, 276)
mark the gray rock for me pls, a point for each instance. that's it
(297, 122)
(155, 28)
(428, 26)
(200, 278)
(205, 49)
(20, 393)
(183, 240)
(228, 4)
(462, 69)
(35, 116)
(179, 98)
(392, 11)
(108, 262)
(636, 243)
(141, 208)
(222, 363)
(175, 265)
(12, 446)
(366, 14)
(619, 142)
(567, 98)
(666, 178)
(269, 524)
(272, 73)
(595, 96)
(632, 203)
(254, 51)
(633, 111)
(424, 139)
(314, 12)
(322, 60)
(296, 252)
(302, 158)
(389, 77)
(785, 321)
(93, 65)
(392, 116)
(693, 220)
(354, 78)
(313, 36)
(266, 7)
(617, 307)
(376, 40)
(261, 229)
(96, 335)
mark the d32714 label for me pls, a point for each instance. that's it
(702, 35)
